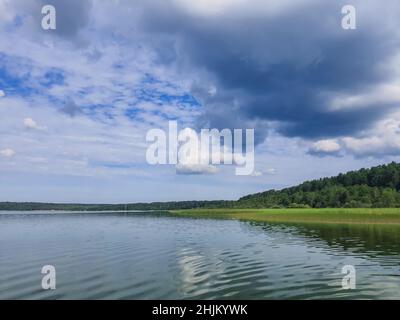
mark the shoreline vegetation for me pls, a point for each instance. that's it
(301, 215)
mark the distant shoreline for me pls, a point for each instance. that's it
(390, 216)
(74, 211)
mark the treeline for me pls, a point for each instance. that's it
(375, 187)
(174, 205)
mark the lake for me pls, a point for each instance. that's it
(156, 256)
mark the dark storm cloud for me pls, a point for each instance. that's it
(285, 67)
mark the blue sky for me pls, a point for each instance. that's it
(76, 102)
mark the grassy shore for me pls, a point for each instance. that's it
(328, 215)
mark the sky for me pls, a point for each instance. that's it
(76, 102)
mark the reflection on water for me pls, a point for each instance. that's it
(154, 256)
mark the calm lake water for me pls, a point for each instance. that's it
(153, 256)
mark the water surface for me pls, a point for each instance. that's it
(155, 256)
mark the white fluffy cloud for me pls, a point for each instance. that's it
(195, 169)
(193, 161)
(2, 94)
(29, 123)
(325, 146)
(7, 153)
(383, 139)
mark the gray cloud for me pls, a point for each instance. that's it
(70, 108)
(285, 67)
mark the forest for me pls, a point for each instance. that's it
(376, 187)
